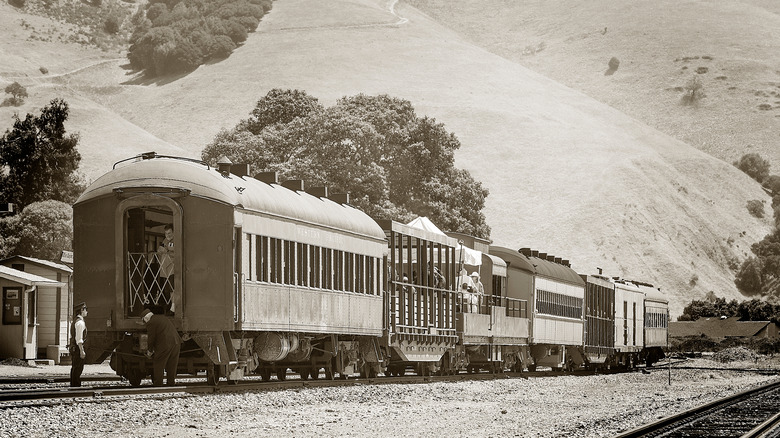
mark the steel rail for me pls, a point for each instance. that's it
(656, 426)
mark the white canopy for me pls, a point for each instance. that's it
(424, 223)
(470, 256)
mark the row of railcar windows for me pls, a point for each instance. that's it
(552, 303)
(280, 261)
(656, 319)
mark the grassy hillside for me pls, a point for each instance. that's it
(730, 45)
(568, 175)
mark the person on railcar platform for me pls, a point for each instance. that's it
(166, 253)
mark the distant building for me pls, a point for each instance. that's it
(719, 329)
(37, 301)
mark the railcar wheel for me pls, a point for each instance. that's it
(213, 373)
(532, 368)
(134, 376)
(281, 374)
(265, 374)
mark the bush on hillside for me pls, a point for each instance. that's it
(614, 63)
(754, 166)
(756, 208)
(694, 91)
(772, 183)
(17, 3)
(176, 37)
(112, 24)
(17, 92)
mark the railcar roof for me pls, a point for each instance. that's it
(240, 192)
(537, 266)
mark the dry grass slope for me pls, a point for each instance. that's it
(568, 175)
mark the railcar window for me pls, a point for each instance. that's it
(553, 303)
(249, 261)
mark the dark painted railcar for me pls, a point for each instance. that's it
(263, 277)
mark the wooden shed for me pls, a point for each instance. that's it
(47, 295)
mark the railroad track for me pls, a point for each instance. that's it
(748, 414)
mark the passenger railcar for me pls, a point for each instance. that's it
(556, 295)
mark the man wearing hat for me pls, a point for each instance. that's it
(78, 335)
(164, 345)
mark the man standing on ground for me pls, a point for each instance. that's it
(164, 345)
(78, 335)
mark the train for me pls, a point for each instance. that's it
(269, 277)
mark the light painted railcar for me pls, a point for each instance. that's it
(556, 294)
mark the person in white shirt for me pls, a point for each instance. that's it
(78, 335)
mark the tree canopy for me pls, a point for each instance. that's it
(748, 310)
(42, 230)
(395, 164)
(40, 159)
(754, 166)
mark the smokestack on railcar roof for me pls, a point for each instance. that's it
(223, 165)
(294, 184)
(268, 177)
(320, 191)
(241, 169)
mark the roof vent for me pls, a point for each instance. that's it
(551, 258)
(223, 165)
(240, 169)
(525, 251)
(268, 177)
(534, 253)
(557, 260)
(341, 198)
(320, 192)
(294, 184)
(542, 255)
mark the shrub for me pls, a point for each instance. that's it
(17, 3)
(694, 91)
(756, 208)
(44, 70)
(614, 63)
(754, 166)
(772, 183)
(112, 24)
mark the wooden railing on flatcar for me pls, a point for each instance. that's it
(421, 310)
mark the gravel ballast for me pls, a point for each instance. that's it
(581, 406)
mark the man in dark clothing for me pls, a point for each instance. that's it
(164, 346)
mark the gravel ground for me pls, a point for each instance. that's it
(581, 406)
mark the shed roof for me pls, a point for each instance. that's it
(717, 328)
(41, 262)
(26, 278)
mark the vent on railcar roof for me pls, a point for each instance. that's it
(294, 184)
(223, 165)
(268, 177)
(525, 251)
(241, 169)
(341, 198)
(320, 191)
